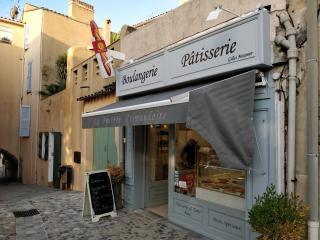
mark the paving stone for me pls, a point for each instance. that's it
(61, 218)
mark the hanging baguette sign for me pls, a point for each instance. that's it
(104, 56)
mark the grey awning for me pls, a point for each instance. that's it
(164, 107)
(222, 114)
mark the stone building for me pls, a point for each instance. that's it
(192, 151)
(48, 35)
(83, 150)
(160, 88)
(11, 62)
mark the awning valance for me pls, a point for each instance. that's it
(165, 107)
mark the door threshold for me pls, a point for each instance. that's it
(161, 210)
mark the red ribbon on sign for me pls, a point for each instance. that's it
(99, 46)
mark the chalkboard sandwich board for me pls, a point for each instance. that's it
(98, 197)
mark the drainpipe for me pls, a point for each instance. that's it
(312, 118)
(292, 54)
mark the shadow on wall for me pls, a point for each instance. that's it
(51, 50)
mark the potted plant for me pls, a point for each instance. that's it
(278, 216)
(117, 178)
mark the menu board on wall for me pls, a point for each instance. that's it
(98, 199)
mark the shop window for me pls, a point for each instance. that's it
(157, 152)
(198, 171)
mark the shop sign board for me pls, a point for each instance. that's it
(241, 45)
(238, 46)
(140, 76)
(98, 198)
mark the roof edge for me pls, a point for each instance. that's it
(8, 20)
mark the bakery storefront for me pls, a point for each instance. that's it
(199, 127)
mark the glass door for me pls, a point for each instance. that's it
(157, 155)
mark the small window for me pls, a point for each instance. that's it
(25, 116)
(96, 65)
(85, 72)
(77, 157)
(5, 35)
(75, 76)
(29, 78)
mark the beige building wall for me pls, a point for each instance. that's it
(56, 40)
(80, 11)
(83, 80)
(50, 35)
(62, 113)
(28, 145)
(73, 137)
(11, 63)
(52, 120)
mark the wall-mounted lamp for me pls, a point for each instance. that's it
(216, 12)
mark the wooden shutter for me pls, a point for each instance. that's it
(40, 145)
(46, 145)
(26, 36)
(25, 116)
(29, 77)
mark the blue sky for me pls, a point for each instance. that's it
(119, 11)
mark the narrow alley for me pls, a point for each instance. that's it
(60, 218)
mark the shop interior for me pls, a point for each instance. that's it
(197, 171)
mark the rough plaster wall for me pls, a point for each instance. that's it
(301, 127)
(28, 153)
(72, 118)
(11, 65)
(319, 96)
(82, 139)
(80, 13)
(182, 22)
(297, 11)
(51, 120)
(75, 138)
(60, 33)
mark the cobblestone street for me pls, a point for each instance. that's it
(60, 218)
